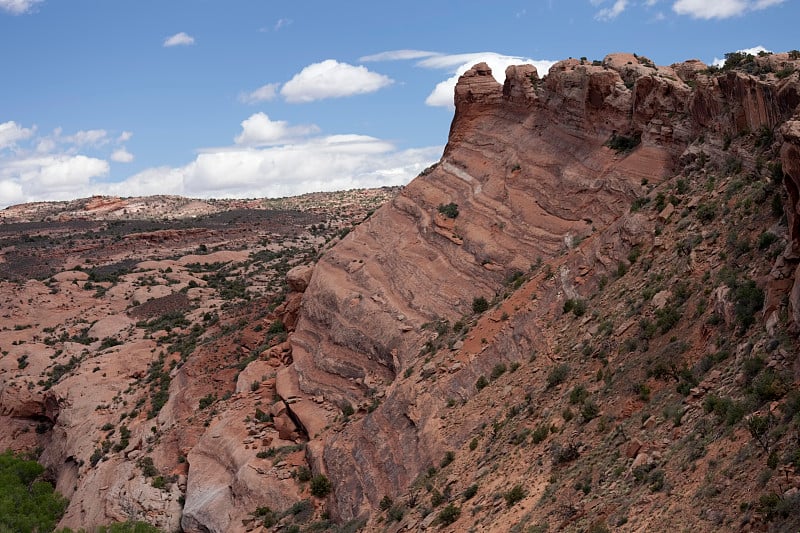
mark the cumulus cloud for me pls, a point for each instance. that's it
(18, 7)
(11, 133)
(442, 94)
(88, 138)
(720, 9)
(262, 94)
(121, 155)
(752, 51)
(270, 158)
(331, 79)
(259, 130)
(51, 167)
(50, 177)
(610, 13)
(179, 39)
(125, 136)
(316, 164)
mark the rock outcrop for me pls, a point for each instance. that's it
(529, 166)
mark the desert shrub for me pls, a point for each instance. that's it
(589, 410)
(470, 492)
(320, 486)
(449, 210)
(386, 503)
(516, 494)
(498, 370)
(622, 143)
(706, 213)
(481, 383)
(540, 433)
(578, 307)
(448, 458)
(726, 409)
(396, 513)
(207, 400)
(667, 318)
(578, 394)
(557, 375)
(348, 410)
(768, 385)
(267, 516)
(766, 239)
(303, 473)
(565, 453)
(748, 300)
(449, 514)
(479, 305)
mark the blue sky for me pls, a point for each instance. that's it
(247, 98)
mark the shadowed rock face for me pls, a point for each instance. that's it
(527, 166)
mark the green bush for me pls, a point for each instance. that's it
(578, 307)
(749, 299)
(448, 458)
(622, 143)
(481, 383)
(303, 474)
(449, 514)
(320, 486)
(479, 305)
(498, 370)
(449, 210)
(540, 433)
(27, 503)
(578, 394)
(557, 375)
(207, 400)
(470, 492)
(516, 494)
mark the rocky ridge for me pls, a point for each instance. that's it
(530, 168)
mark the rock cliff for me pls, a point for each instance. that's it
(534, 166)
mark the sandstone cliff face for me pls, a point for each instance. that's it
(529, 170)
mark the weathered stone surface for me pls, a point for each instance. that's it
(299, 276)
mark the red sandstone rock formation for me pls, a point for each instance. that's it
(528, 166)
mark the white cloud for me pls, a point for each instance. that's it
(318, 164)
(179, 39)
(88, 138)
(752, 51)
(282, 23)
(398, 55)
(610, 13)
(50, 176)
(262, 94)
(11, 132)
(720, 9)
(18, 7)
(331, 79)
(764, 4)
(442, 94)
(270, 158)
(259, 130)
(121, 155)
(125, 136)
